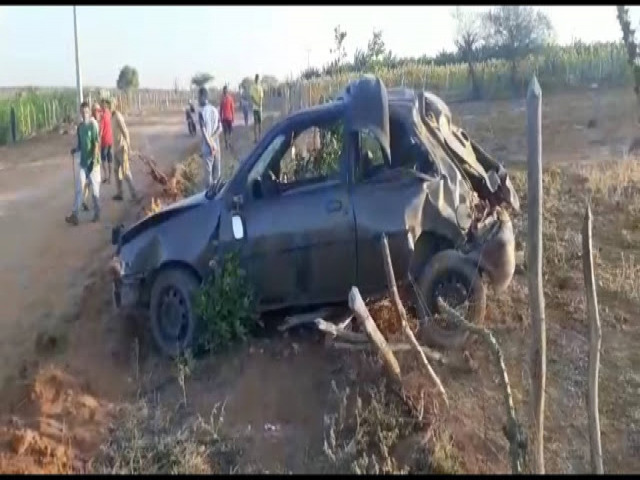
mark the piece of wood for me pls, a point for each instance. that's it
(395, 297)
(538, 352)
(357, 305)
(302, 318)
(514, 432)
(595, 340)
(334, 331)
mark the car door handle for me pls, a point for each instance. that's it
(334, 206)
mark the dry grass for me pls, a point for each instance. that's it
(151, 439)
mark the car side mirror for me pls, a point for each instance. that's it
(237, 227)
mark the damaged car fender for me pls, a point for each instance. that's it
(155, 243)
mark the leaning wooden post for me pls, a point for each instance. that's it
(395, 297)
(359, 309)
(538, 352)
(595, 339)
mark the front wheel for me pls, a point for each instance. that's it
(173, 320)
(450, 276)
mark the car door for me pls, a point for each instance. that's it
(300, 243)
(380, 196)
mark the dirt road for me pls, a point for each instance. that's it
(44, 261)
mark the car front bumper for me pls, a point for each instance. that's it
(125, 288)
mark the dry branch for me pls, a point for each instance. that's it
(395, 296)
(356, 304)
(536, 293)
(154, 171)
(514, 432)
(595, 339)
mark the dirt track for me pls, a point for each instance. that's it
(43, 261)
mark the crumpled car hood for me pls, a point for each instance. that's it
(163, 215)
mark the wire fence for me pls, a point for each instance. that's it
(31, 112)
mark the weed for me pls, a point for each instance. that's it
(372, 434)
(151, 440)
(184, 367)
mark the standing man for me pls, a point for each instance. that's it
(227, 110)
(210, 128)
(121, 150)
(86, 155)
(257, 94)
(106, 141)
(96, 112)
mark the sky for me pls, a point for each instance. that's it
(171, 43)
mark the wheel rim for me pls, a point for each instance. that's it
(455, 293)
(173, 315)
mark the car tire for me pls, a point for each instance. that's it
(450, 267)
(173, 320)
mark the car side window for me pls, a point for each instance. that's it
(371, 159)
(266, 158)
(314, 156)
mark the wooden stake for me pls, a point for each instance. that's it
(395, 297)
(538, 350)
(595, 339)
(356, 304)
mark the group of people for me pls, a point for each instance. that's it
(102, 140)
(212, 123)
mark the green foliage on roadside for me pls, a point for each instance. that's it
(225, 305)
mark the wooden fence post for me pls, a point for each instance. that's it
(595, 339)
(538, 351)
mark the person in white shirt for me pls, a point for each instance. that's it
(210, 127)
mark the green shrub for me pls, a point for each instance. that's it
(225, 305)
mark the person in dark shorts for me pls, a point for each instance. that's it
(227, 110)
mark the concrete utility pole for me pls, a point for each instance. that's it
(78, 79)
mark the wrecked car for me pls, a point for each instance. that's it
(307, 207)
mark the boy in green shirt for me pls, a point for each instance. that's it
(87, 152)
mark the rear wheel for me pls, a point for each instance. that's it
(173, 321)
(457, 281)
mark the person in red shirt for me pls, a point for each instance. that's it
(106, 141)
(227, 109)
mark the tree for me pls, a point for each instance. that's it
(517, 31)
(128, 79)
(375, 47)
(201, 79)
(467, 39)
(628, 37)
(338, 49)
(246, 83)
(310, 73)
